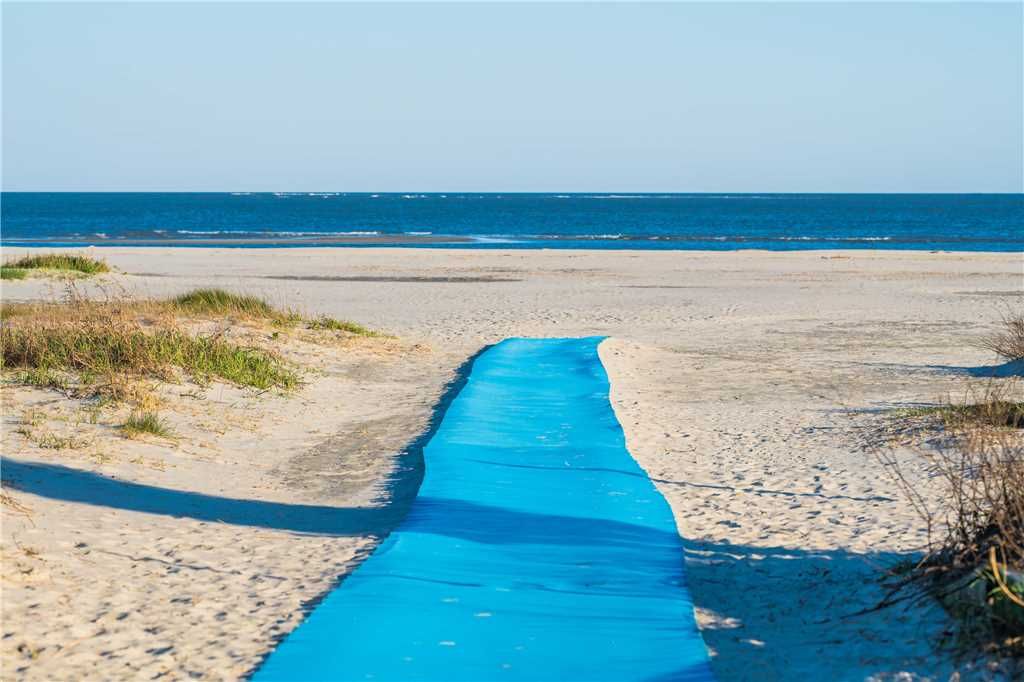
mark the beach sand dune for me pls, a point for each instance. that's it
(741, 379)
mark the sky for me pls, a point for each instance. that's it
(687, 97)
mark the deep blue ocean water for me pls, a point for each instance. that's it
(965, 222)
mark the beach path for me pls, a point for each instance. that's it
(536, 549)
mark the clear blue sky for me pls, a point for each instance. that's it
(631, 97)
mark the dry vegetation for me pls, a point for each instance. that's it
(974, 562)
(1008, 341)
(109, 349)
(94, 347)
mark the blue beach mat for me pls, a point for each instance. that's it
(537, 548)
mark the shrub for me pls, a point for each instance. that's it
(974, 563)
(1008, 341)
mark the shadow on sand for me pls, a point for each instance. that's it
(1014, 368)
(778, 611)
(792, 613)
(85, 487)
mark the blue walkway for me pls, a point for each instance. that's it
(537, 549)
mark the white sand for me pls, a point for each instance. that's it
(740, 379)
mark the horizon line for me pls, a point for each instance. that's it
(639, 193)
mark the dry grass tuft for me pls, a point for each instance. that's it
(13, 505)
(1008, 341)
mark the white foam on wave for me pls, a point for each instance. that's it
(828, 239)
(495, 239)
(579, 237)
(285, 233)
(721, 196)
(619, 196)
(663, 196)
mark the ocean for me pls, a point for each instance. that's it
(778, 222)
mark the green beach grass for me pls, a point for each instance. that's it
(329, 323)
(54, 262)
(146, 423)
(12, 273)
(97, 347)
(94, 350)
(218, 302)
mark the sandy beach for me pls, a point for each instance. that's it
(743, 380)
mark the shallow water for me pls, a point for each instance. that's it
(536, 549)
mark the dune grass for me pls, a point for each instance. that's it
(329, 323)
(146, 423)
(992, 412)
(214, 302)
(100, 342)
(43, 377)
(97, 349)
(107, 348)
(7, 272)
(219, 302)
(52, 441)
(66, 262)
